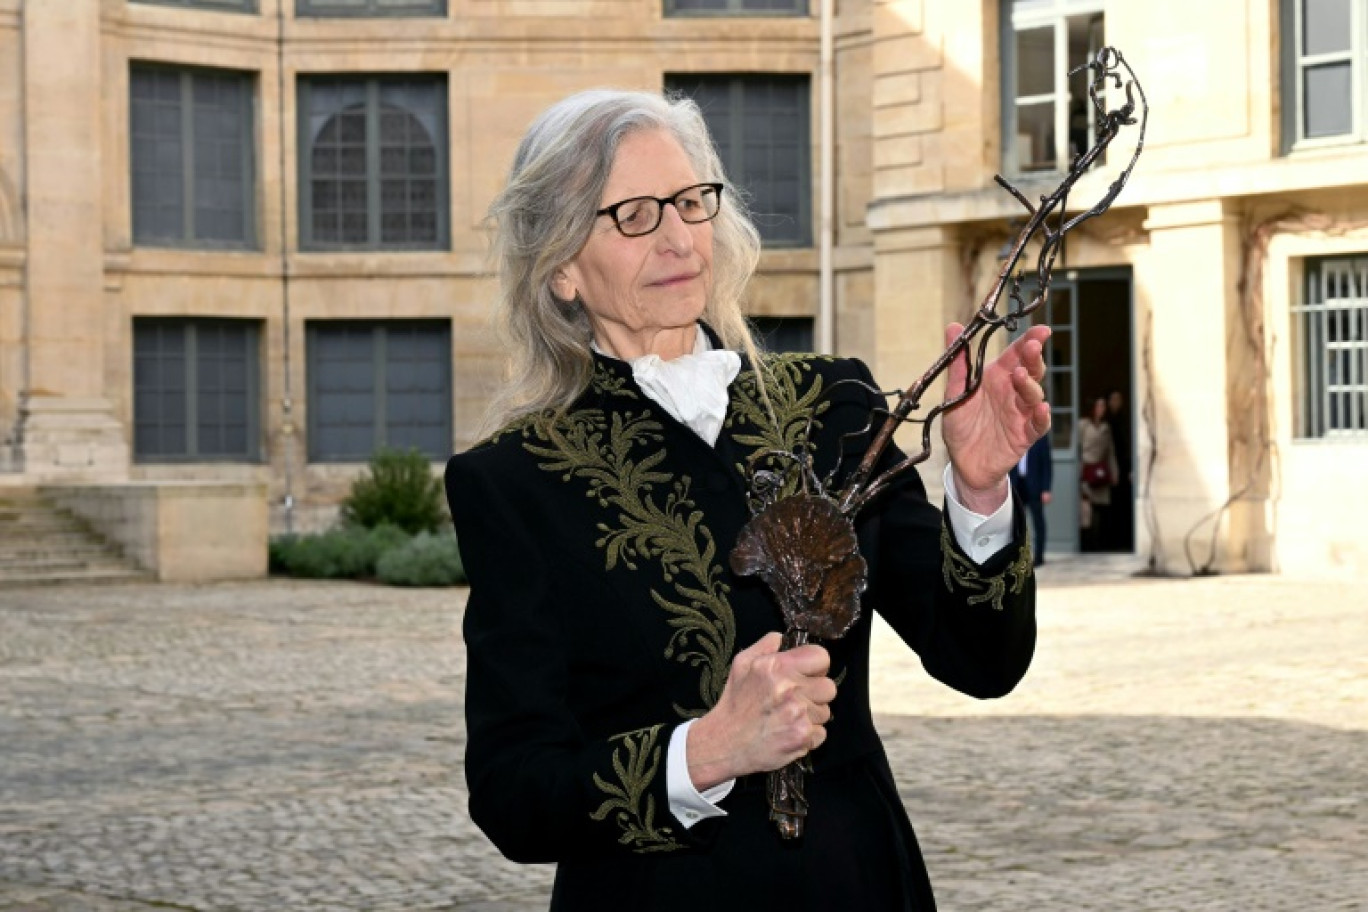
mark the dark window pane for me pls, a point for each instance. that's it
(371, 7)
(1035, 139)
(194, 388)
(760, 126)
(1035, 62)
(1329, 100)
(227, 6)
(1325, 26)
(784, 334)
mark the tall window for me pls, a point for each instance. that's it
(230, 6)
(195, 390)
(373, 162)
(191, 151)
(760, 126)
(1046, 119)
(736, 7)
(374, 384)
(1323, 71)
(370, 8)
(1332, 344)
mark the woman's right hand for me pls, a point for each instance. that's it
(771, 712)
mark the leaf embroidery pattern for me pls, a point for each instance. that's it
(635, 764)
(959, 570)
(656, 520)
(795, 411)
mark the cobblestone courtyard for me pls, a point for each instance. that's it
(1178, 745)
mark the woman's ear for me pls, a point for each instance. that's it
(562, 286)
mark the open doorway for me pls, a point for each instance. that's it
(1090, 356)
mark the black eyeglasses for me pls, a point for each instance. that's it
(642, 214)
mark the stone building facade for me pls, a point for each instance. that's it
(242, 241)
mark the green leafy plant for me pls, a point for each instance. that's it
(398, 488)
(349, 552)
(424, 560)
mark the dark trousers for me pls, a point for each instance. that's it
(1037, 511)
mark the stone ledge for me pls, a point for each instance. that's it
(179, 531)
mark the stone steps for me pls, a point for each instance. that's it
(42, 544)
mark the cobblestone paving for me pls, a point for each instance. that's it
(1179, 745)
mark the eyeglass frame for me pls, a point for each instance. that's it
(612, 211)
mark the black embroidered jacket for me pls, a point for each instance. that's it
(603, 614)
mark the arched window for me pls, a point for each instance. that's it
(373, 163)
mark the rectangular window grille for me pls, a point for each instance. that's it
(370, 8)
(736, 7)
(195, 390)
(373, 163)
(759, 123)
(228, 6)
(1047, 120)
(1332, 331)
(191, 153)
(1323, 71)
(376, 384)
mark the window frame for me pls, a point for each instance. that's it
(304, 9)
(379, 362)
(738, 181)
(250, 113)
(1294, 66)
(236, 7)
(253, 454)
(442, 155)
(736, 8)
(1055, 15)
(1312, 385)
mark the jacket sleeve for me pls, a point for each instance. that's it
(973, 626)
(540, 788)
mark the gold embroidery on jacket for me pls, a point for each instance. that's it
(959, 570)
(635, 765)
(794, 410)
(656, 520)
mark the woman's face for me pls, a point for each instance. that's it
(1099, 410)
(643, 294)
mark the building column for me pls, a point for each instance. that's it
(918, 289)
(67, 429)
(1187, 287)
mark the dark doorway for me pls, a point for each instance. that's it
(1090, 355)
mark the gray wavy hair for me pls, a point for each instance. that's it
(544, 217)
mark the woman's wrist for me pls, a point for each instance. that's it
(984, 501)
(708, 760)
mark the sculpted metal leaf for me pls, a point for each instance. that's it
(805, 550)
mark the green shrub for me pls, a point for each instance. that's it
(349, 552)
(400, 489)
(425, 560)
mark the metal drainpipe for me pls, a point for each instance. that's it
(287, 428)
(826, 330)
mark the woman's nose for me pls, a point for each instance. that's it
(675, 234)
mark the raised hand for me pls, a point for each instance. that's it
(988, 433)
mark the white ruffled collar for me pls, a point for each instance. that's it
(692, 388)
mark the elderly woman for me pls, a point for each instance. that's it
(625, 691)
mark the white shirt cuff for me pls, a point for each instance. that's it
(979, 536)
(686, 803)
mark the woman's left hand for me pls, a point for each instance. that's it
(988, 433)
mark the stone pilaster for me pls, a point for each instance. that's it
(66, 425)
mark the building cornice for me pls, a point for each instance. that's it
(1344, 168)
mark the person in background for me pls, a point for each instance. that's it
(1120, 532)
(1097, 474)
(1032, 478)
